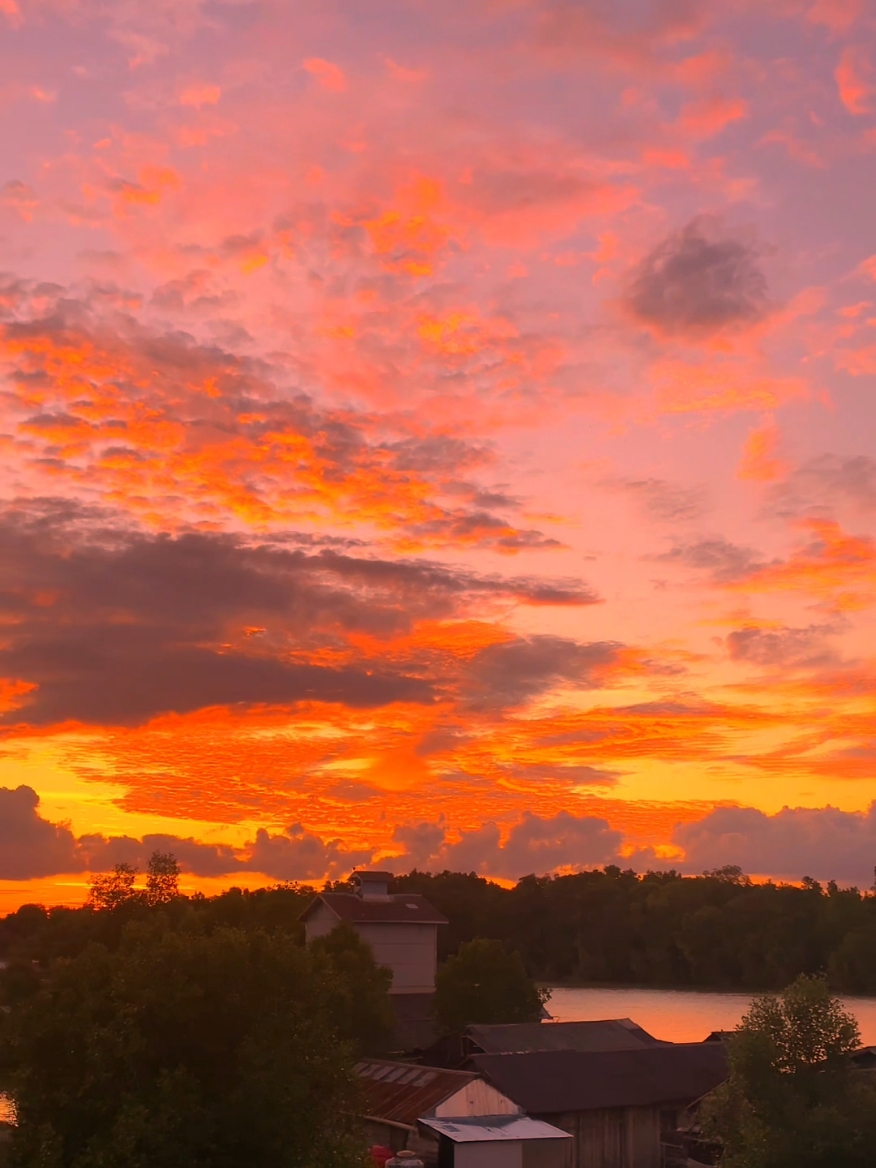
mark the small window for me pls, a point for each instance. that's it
(427, 1078)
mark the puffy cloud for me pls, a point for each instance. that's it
(300, 855)
(99, 853)
(30, 846)
(533, 845)
(510, 673)
(824, 482)
(783, 646)
(824, 843)
(722, 560)
(696, 282)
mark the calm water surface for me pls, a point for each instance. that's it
(679, 1015)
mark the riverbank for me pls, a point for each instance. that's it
(677, 1015)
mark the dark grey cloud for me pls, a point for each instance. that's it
(801, 841)
(99, 853)
(697, 282)
(807, 647)
(534, 845)
(30, 846)
(664, 501)
(722, 560)
(300, 855)
(114, 627)
(510, 673)
(821, 484)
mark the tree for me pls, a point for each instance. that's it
(483, 982)
(793, 1098)
(362, 1010)
(183, 1050)
(162, 879)
(113, 889)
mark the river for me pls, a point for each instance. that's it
(678, 1015)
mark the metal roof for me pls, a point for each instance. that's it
(401, 907)
(606, 1034)
(404, 1092)
(491, 1128)
(547, 1082)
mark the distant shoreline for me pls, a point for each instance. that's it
(716, 991)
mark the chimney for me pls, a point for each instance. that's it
(371, 885)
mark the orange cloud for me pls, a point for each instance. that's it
(837, 15)
(759, 462)
(855, 80)
(200, 94)
(833, 566)
(330, 76)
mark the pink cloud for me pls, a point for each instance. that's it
(856, 80)
(329, 75)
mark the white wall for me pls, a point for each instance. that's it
(321, 921)
(409, 950)
(476, 1098)
(501, 1154)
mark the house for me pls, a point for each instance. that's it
(518, 1037)
(515, 1037)
(616, 1104)
(402, 932)
(453, 1119)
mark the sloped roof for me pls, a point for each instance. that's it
(402, 907)
(607, 1034)
(491, 1128)
(547, 1082)
(403, 1092)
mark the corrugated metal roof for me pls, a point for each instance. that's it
(403, 1092)
(606, 1034)
(407, 907)
(490, 1128)
(546, 1082)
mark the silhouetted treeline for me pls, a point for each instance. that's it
(605, 926)
(665, 929)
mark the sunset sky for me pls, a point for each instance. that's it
(436, 434)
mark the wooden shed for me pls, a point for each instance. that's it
(616, 1104)
(453, 1119)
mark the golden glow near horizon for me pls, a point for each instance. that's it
(436, 438)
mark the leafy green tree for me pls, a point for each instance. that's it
(183, 1049)
(162, 879)
(853, 963)
(793, 1098)
(361, 1008)
(112, 890)
(485, 983)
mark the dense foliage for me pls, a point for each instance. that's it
(186, 1046)
(716, 930)
(793, 1098)
(483, 982)
(610, 926)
